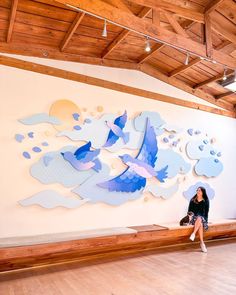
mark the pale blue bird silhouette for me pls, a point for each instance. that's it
(84, 158)
(140, 168)
(116, 130)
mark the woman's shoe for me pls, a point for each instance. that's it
(203, 247)
(192, 237)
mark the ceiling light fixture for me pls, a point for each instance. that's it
(104, 32)
(147, 47)
(224, 76)
(187, 59)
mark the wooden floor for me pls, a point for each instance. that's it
(181, 272)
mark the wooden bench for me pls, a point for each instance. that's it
(100, 245)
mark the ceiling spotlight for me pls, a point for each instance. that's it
(214, 62)
(187, 59)
(104, 32)
(147, 47)
(224, 76)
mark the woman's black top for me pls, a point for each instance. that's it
(199, 208)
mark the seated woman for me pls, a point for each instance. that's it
(199, 205)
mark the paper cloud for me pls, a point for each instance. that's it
(51, 199)
(90, 190)
(57, 170)
(163, 192)
(208, 167)
(154, 118)
(198, 149)
(191, 191)
(40, 118)
(176, 163)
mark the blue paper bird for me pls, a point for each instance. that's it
(139, 168)
(84, 158)
(116, 130)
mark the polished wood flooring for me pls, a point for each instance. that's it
(181, 271)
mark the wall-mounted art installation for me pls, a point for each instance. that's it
(115, 157)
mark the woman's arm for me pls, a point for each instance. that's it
(190, 206)
(206, 209)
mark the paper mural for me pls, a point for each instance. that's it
(144, 148)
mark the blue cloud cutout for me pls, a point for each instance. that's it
(162, 192)
(208, 167)
(191, 191)
(154, 118)
(57, 170)
(176, 163)
(40, 118)
(50, 199)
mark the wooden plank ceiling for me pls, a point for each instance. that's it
(206, 28)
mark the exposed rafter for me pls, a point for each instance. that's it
(184, 67)
(12, 19)
(213, 5)
(187, 13)
(175, 25)
(71, 30)
(144, 12)
(133, 23)
(208, 36)
(226, 94)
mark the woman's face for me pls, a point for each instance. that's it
(199, 192)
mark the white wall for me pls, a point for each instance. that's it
(25, 93)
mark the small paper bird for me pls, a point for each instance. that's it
(139, 168)
(116, 130)
(84, 158)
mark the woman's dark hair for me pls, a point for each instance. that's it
(204, 195)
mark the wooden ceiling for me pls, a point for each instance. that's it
(207, 28)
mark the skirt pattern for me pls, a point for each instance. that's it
(204, 222)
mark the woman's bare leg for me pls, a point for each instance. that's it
(200, 232)
(197, 225)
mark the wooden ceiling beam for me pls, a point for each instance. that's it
(104, 10)
(14, 4)
(187, 13)
(119, 4)
(175, 25)
(156, 18)
(124, 33)
(79, 17)
(223, 27)
(213, 5)
(208, 36)
(45, 52)
(55, 72)
(223, 95)
(213, 79)
(184, 67)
